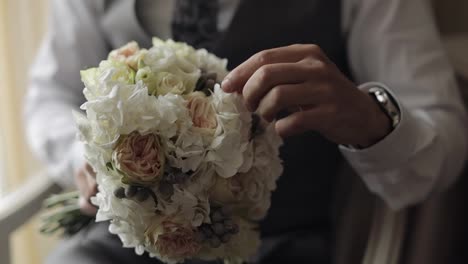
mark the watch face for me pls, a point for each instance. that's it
(381, 96)
(387, 104)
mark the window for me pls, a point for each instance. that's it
(22, 24)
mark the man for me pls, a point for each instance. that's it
(394, 109)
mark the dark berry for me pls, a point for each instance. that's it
(119, 192)
(131, 191)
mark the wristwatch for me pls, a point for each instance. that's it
(386, 102)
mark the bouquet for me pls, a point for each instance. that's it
(183, 169)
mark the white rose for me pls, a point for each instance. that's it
(248, 193)
(170, 83)
(163, 58)
(161, 83)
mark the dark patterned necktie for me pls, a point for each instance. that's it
(195, 22)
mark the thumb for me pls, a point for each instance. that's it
(86, 207)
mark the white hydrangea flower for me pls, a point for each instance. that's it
(210, 63)
(128, 218)
(232, 134)
(101, 80)
(201, 58)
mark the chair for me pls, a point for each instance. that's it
(19, 206)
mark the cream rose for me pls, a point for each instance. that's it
(173, 240)
(163, 58)
(161, 83)
(201, 111)
(169, 83)
(248, 193)
(249, 187)
(140, 158)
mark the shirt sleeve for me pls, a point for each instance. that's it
(72, 43)
(396, 43)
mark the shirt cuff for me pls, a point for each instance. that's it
(77, 155)
(64, 173)
(406, 139)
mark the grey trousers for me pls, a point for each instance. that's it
(95, 245)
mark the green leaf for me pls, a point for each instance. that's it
(61, 199)
(109, 166)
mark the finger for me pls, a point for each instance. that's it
(81, 181)
(238, 77)
(94, 189)
(268, 76)
(90, 178)
(90, 170)
(299, 122)
(86, 207)
(91, 187)
(290, 97)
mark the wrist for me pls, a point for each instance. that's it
(380, 125)
(384, 114)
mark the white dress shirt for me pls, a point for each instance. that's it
(394, 42)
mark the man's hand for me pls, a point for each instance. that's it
(86, 183)
(301, 77)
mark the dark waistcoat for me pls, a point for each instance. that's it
(303, 198)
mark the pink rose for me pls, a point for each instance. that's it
(128, 54)
(201, 111)
(174, 240)
(140, 158)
